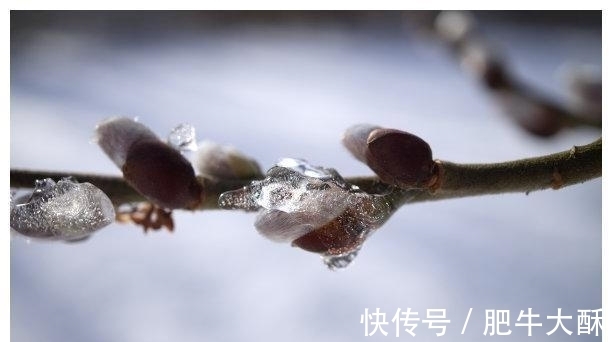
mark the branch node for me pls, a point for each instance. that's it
(435, 182)
(557, 180)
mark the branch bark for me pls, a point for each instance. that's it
(576, 165)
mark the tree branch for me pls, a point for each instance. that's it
(576, 165)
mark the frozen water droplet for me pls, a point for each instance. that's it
(314, 208)
(183, 138)
(334, 262)
(64, 211)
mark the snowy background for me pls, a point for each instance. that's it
(289, 88)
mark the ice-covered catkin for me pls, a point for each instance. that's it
(313, 208)
(64, 211)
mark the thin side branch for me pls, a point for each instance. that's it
(576, 165)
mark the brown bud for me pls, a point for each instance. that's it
(161, 174)
(495, 77)
(398, 158)
(537, 117)
(484, 64)
(335, 237)
(156, 170)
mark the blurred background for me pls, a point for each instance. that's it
(287, 84)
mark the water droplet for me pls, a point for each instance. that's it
(65, 210)
(183, 138)
(335, 262)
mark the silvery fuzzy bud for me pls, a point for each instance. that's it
(156, 170)
(225, 162)
(454, 26)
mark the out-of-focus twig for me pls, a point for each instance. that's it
(530, 109)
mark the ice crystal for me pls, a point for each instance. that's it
(183, 138)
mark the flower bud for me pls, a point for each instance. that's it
(454, 26)
(333, 237)
(355, 140)
(484, 64)
(398, 158)
(66, 210)
(225, 162)
(585, 86)
(537, 117)
(156, 170)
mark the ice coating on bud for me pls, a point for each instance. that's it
(312, 207)
(117, 134)
(64, 211)
(291, 189)
(225, 162)
(183, 138)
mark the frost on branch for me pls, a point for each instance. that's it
(64, 211)
(313, 208)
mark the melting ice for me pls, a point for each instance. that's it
(66, 210)
(297, 198)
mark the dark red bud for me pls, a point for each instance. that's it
(397, 157)
(156, 170)
(161, 174)
(495, 77)
(544, 121)
(400, 158)
(535, 116)
(335, 237)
